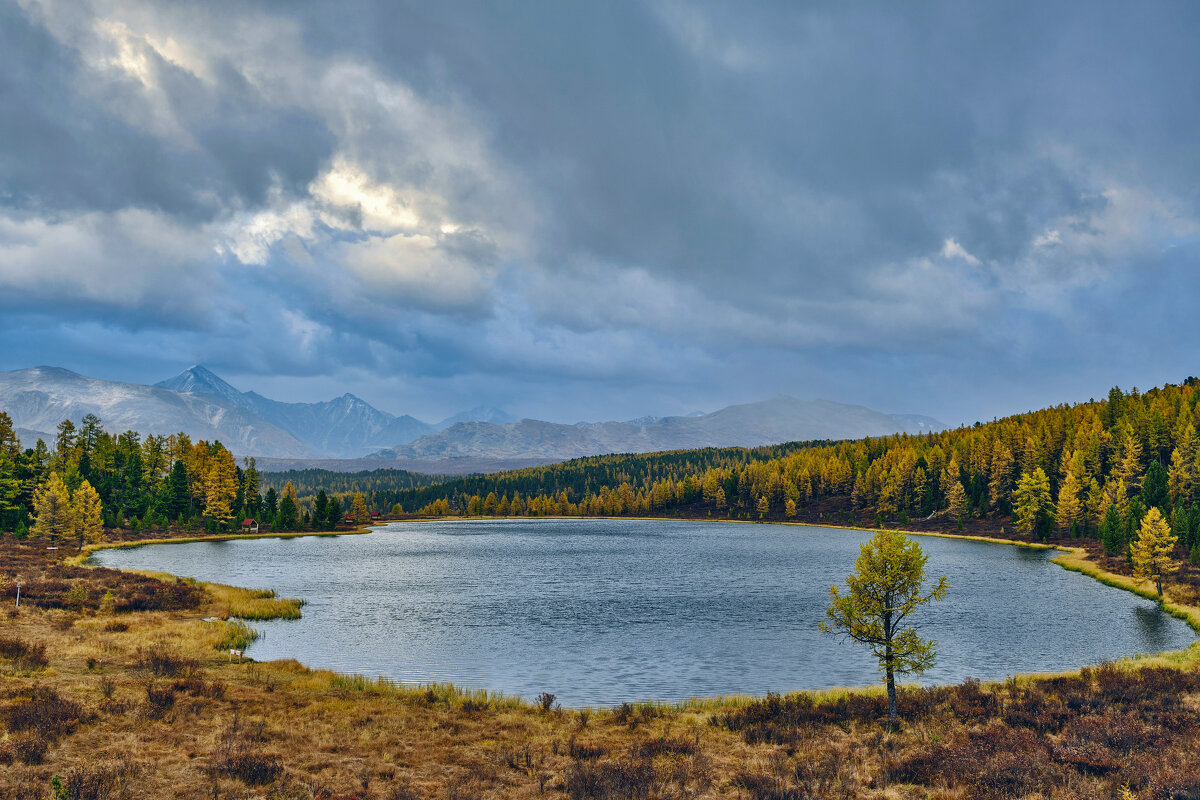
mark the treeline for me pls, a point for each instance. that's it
(1087, 470)
(576, 478)
(93, 480)
(308, 482)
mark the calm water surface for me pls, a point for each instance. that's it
(603, 611)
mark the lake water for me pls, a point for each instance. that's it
(604, 611)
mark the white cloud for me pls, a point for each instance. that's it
(1048, 239)
(952, 249)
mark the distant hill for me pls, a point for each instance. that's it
(780, 419)
(477, 414)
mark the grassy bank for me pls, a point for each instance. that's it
(148, 703)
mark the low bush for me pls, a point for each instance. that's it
(621, 779)
(98, 781)
(43, 712)
(159, 699)
(24, 656)
(161, 661)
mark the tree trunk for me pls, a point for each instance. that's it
(888, 660)
(891, 689)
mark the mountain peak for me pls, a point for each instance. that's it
(199, 379)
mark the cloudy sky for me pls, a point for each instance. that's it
(602, 210)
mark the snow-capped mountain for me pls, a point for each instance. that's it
(38, 399)
(344, 427)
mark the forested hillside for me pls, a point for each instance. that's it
(1086, 470)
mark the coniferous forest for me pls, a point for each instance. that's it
(1089, 470)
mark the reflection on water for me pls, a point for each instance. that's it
(603, 611)
(1154, 627)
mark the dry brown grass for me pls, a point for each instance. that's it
(143, 704)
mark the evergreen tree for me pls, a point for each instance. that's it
(1152, 550)
(321, 509)
(1110, 531)
(334, 512)
(289, 511)
(1155, 492)
(177, 496)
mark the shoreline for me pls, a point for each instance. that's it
(81, 558)
(1072, 559)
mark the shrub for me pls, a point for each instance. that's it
(44, 712)
(24, 656)
(161, 661)
(97, 781)
(238, 756)
(159, 700)
(628, 778)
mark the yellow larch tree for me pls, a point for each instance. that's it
(1070, 509)
(220, 486)
(1032, 503)
(359, 512)
(956, 497)
(1152, 549)
(55, 518)
(88, 513)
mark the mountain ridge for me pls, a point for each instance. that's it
(779, 419)
(347, 429)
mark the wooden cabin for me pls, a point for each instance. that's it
(250, 526)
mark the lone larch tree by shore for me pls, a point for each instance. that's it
(887, 585)
(1151, 550)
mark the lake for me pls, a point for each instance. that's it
(600, 611)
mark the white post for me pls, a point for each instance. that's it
(18, 594)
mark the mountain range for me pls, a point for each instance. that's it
(780, 419)
(203, 405)
(347, 432)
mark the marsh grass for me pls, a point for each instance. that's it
(253, 604)
(235, 635)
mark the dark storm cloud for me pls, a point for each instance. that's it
(946, 207)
